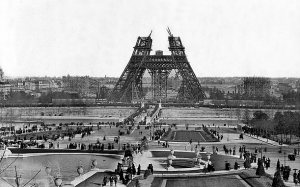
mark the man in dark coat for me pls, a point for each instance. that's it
(104, 181)
(133, 169)
(139, 170)
(121, 175)
(278, 165)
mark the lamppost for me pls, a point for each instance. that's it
(261, 150)
(119, 142)
(227, 136)
(284, 158)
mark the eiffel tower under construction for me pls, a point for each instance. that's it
(129, 86)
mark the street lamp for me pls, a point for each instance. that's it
(227, 136)
(284, 158)
(261, 150)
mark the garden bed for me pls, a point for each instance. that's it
(186, 136)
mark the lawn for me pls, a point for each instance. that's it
(224, 181)
(186, 136)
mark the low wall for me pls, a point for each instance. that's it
(74, 119)
(199, 121)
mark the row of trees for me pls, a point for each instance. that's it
(47, 97)
(214, 93)
(285, 124)
(20, 96)
(292, 97)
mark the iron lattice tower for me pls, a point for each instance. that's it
(159, 66)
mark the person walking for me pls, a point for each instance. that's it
(278, 165)
(104, 180)
(111, 181)
(298, 176)
(115, 180)
(139, 170)
(295, 178)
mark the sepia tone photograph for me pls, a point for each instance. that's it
(161, 93)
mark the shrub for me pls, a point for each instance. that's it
(260, 169)
(277, 180)
(147, 173)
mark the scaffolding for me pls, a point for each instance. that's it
(256, 87)
(85, 86)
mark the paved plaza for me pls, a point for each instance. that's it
(183, 150)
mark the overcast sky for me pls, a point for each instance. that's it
(96, 38)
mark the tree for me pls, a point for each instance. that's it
(260, 115)
(246, 116)
(238, 114)
(277, 180)
(260, 168)
(279, 127)
(289, 119)
(259, 121)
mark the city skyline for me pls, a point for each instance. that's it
(222, 39)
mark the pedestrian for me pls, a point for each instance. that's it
(133, 169)
(57, 145)
(139, 170)
(111, 180)
(278, 165)
(295, 179)
(104, 180)
(254, 158)
(115, 180)
(281, 168)
(267, 164)
(150, 168)
(264, 160)
(121, 175)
